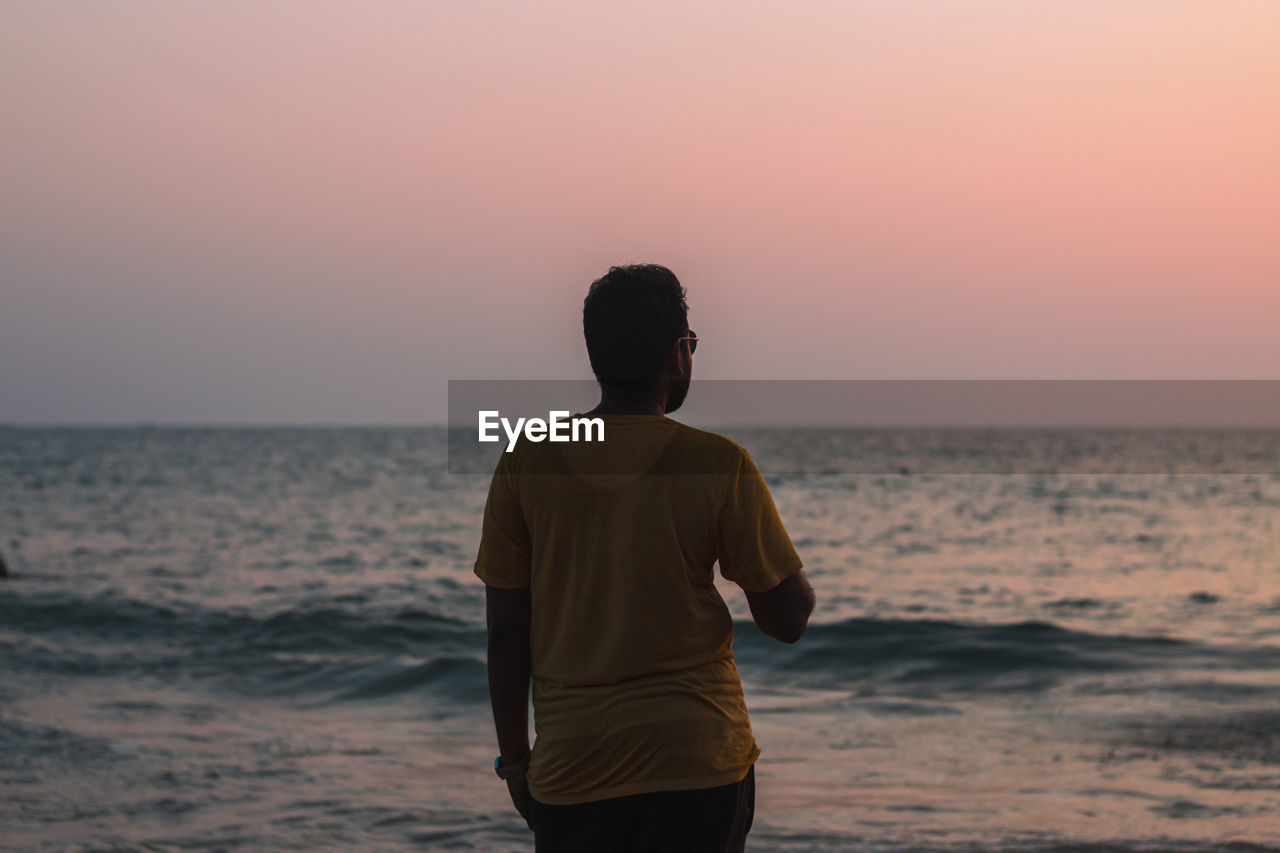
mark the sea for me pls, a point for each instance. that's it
(271, 639)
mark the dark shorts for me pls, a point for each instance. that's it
(707, 820)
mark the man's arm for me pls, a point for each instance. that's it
(783, 612)
(508, 613)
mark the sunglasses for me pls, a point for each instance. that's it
(693, 341)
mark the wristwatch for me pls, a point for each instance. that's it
(511, 771)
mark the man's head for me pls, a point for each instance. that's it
(634, 318)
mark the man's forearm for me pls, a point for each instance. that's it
(509, 691)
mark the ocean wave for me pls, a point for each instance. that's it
(120, 618)
(461, 676)
(927, 657)
(371, 653)
(297, 651)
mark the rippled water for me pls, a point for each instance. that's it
(271, 639)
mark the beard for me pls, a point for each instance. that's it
(679, 391)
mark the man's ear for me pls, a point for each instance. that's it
(672, 366)
(675, 366)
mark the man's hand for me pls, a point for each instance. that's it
(518, 788)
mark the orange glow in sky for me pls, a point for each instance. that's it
(319, 212)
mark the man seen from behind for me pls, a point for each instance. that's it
(598, 563)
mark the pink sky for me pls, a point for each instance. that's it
(319, 212)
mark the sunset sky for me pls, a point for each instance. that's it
(319, 212)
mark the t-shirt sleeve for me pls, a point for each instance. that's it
(506, 552)
(752, 546)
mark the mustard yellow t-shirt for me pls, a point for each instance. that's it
(634, 684)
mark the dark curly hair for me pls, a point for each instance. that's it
(631, 317)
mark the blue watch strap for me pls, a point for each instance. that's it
(511, 771)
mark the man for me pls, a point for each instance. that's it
(598, 566)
